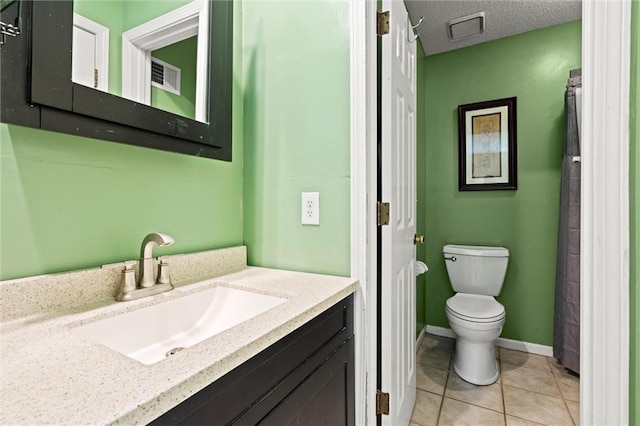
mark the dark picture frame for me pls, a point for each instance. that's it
(487, 145)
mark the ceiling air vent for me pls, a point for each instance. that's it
(465, 26)
(165, 76)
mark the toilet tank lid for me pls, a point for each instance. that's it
(476, 250)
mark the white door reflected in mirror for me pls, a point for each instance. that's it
(90, 59)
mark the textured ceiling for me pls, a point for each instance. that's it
(503, 18)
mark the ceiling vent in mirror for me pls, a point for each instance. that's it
(165, 76)
(466, 26)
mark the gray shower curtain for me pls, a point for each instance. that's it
(566, 336)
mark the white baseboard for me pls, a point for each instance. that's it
(440, 331)
(517, 345)
(420, 338)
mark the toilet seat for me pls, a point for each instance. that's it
(475, 308)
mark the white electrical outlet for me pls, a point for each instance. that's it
(311, 208)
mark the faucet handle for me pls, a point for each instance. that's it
(127, 281)
(163, 273)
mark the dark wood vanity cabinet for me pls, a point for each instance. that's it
(306, 378)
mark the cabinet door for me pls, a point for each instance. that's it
(323, 398)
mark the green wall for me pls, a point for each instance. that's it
(137, 12)
(297, 137)
(534, 67)
(634, 181)
(183, 55)
(70, 202)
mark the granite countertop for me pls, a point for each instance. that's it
(52, 374)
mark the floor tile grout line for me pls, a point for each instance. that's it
(432, 393)
(431, 366)
(528, 354)
(446, 383)
(527, 368)
(537, 393)
(561, 374)
(518, 386)
(556, 380)
(564, 400)
(439, 410)
(504, 402)
(475, 405)
(555, 377)
(422, 346)
(451, 371)
(527, 420)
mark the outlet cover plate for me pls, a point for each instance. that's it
(310, 208)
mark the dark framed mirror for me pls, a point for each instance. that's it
(45, 56)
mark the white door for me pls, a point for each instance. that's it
(90, 53)
(84, 57)
(398, 164)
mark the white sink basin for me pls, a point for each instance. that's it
(149, 334)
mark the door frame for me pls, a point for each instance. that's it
(604, 335)
(364, 137)
(189, 20)
(604, 384)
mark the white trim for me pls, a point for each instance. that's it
(372, 199)
(363, 94)
(101, 34)
(358, 117)
(177, 25)
(358, 94)
(519, 345)
(421, 337)
(604, 269)
(440, 331)
(516, 345)
(358, 198)
(202, 64)
(361, 242)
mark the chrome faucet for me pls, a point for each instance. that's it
(147, 278)
(147, 283)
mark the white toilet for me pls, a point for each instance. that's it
(476, 274)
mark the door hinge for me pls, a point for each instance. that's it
(383, 213)
(382, 402)
(383, 23)
(95, 78)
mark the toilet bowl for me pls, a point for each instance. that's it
(476, 318)
(475, 358)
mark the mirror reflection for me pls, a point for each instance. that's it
(153, 52)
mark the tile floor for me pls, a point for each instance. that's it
(532, 390)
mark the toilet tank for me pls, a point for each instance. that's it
(476, 269)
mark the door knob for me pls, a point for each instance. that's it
(418, 239)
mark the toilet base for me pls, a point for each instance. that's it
(476, 362)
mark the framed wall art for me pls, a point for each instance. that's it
(487, 145)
